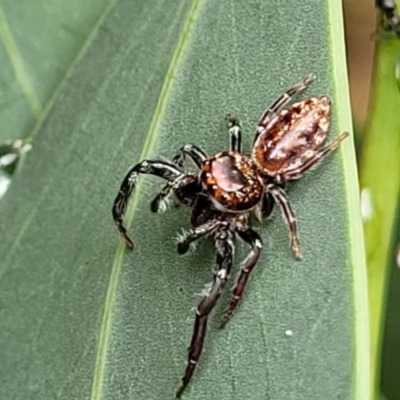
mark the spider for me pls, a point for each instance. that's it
(230, 186)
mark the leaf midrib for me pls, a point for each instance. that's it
(151, 137)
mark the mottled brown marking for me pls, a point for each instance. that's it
(232, 180)
(293, 136)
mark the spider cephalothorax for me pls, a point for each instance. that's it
(231, 185)
(233, 181)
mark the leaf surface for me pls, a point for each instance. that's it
(39, 42)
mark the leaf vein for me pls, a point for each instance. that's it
(105, 329)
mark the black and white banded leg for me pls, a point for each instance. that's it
(195, 153)
(186, 238)
(253, 239)
(235, 134)
(161, 169)
(280, 102)
(280, 198)
(160, 202)
(225, 250)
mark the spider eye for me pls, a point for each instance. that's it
(233, 181)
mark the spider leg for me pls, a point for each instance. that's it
(188, 237)
(188, 194)
(297, 172)
(235, 133)
(162, 169)
(280, 197)
(265, 207)
(279, 103)
(253, 239)
(225, 250)
(159, 203)
(194, 152)
(202, 210)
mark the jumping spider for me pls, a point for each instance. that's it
(231, 185)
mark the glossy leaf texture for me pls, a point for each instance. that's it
(82, 317)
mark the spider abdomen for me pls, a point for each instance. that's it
(233, 181)
(293, 136)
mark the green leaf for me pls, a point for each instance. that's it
(40, 41)
(389, 356)
(84, 318)
(380, 160)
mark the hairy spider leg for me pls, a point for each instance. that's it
(188, 237)
(195, 153)
(296, 173)
(279, 103)
(225, 249)
(161, 169)
(235, 134)
(280, 197)
(252, 238)
(159, 202)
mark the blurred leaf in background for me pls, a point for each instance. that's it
(83, 318)
(380, 183)
(40, 42)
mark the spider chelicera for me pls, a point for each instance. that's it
(231, 185)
